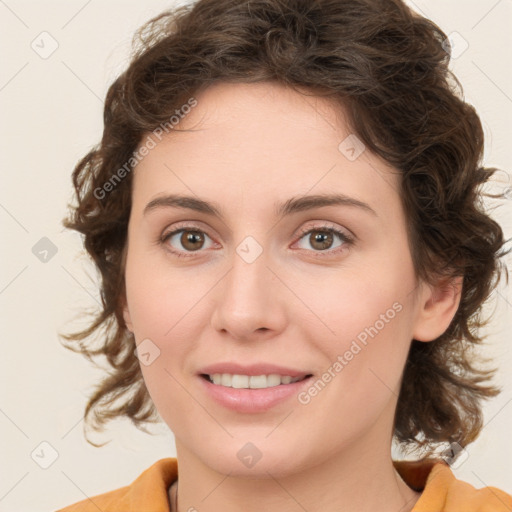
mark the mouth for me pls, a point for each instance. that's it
(240, 381)
(252, 388)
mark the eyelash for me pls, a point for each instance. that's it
(344, 237)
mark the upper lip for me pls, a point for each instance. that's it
(252, 369)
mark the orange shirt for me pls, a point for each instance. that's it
(441, 491)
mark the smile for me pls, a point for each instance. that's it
(239, 381)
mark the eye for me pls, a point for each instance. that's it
(322, 238)
(185, 240)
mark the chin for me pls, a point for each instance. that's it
(255, 461)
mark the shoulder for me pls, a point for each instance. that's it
(444, 492)
(148, 492)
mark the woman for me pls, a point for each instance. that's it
(285, 209)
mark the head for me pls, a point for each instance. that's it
(255, 106)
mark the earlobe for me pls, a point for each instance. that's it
(438, 306)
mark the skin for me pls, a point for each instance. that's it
(297, 304)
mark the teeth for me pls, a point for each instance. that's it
(251, 381)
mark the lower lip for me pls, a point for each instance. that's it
(253, 400)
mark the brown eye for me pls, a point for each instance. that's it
(184, 241)
(320, 239)
(323, 240)
(192, 240)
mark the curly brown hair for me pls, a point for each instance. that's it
(388, 67)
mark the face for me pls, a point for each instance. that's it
(265, 281)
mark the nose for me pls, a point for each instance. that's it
(249, 301)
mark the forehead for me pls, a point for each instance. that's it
(263, 143)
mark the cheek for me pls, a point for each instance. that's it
(364, 360)
(159, 298)
(369, 315)
(357, 304)
(164, 308)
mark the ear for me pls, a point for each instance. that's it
(437, 307)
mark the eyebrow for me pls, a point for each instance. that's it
(292, 205)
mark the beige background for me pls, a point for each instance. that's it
(51, 112)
